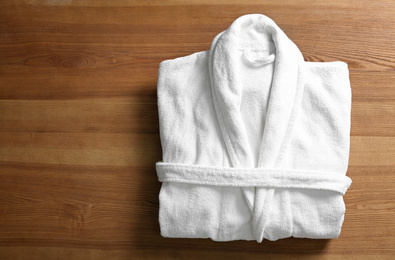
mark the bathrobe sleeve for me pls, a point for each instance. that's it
(321, 136)
(190, 134)
(189, 129)
(320, 141)
(177, 80)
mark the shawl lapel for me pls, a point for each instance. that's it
(285, 93)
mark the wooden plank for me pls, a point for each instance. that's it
(138, 114)
(118, 115)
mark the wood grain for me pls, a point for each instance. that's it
(79, 131)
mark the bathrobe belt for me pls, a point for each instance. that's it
(252, 177)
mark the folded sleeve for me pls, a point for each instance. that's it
(321, 138)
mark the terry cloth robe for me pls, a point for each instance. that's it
(255, 140)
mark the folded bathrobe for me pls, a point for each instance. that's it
(255, 140)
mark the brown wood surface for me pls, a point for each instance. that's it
(79, 124)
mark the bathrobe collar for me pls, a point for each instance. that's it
(285, 92)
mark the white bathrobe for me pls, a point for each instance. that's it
(255, 140)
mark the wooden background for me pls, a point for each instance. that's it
(79, 130)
